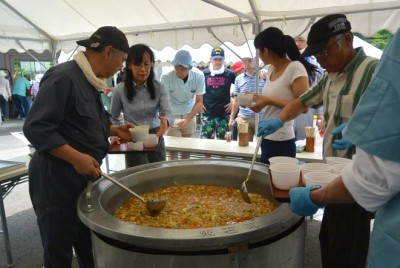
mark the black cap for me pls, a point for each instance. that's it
(106, 36)
(324, 29)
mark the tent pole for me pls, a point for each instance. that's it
(222, 42)
(257, 59)
(229, 9)
(53, 52)
(30, 54)
(26, 19)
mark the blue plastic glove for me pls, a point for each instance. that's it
(301, 203)
(268, 126)
(343, 143)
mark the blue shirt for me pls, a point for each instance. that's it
(142, 110)
(20, 86)
(181, 94)
(243, 83)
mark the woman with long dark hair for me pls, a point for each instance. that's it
(288, 77)
(143, 101)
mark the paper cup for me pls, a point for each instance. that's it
(139, 133)
(333, 160)
(285, 176)
(151, 141)
(135, 146)
(282, 159)
(244, 99)
(319, 178)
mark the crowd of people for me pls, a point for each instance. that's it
(72, 133)
(19, 96)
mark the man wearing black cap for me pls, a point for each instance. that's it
(345, 229)
(69, 128)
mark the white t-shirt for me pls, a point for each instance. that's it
(281, 89)
(371, 180)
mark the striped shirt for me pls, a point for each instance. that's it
(340, 94)
(243, 83)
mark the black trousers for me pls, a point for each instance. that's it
(271, 148)
(344, 236)
(54, 188)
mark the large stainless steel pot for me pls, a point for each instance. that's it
(274, 240)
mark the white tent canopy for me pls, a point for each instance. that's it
(201, 55)
(56, 24)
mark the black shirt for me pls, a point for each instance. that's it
(68, 110)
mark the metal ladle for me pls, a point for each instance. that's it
(243, 190)
(153, 205)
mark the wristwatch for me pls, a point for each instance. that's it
(315, 187)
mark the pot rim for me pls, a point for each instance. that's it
(102, 222)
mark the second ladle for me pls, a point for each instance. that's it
(243, 190)
(153, 205)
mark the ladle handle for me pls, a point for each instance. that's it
(254, 157)
(108, 177)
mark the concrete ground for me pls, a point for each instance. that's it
(24, 235)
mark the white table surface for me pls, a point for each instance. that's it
(224, 148)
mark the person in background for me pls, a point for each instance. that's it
(144, 101)
(307, 120)
(5, 96)
(107, 94)
(185, 86)
(121, 75)
(217, 99)
(21, 85)
(69, 130)
(35, 86)
(245, 83)
(372, 179)
(288, 77)
(348, 73)
(238, 67)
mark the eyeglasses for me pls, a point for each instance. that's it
(324, 52)
(180, 68)
(145, 65)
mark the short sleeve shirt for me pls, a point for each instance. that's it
(182, 94)
(281, 88)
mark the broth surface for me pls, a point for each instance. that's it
(195, 206)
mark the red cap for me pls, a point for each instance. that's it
(238, 66)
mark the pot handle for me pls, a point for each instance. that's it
(89, 206)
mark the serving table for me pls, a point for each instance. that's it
(12, 173)
(198, 148)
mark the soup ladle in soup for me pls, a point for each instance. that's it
(243, 189)
(153, 205)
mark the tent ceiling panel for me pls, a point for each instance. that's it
(175, 23)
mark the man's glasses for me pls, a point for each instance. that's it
(325, 51)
